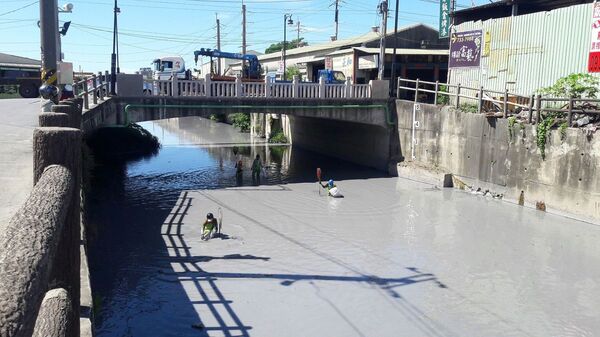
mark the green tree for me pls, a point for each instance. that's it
(292, 71)
(275, 47)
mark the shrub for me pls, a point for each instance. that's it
(441, 98)
(278, 138)
(469, 107)
(241, 121)
(573, 86)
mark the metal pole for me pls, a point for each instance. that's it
(113, 57)
(219, 45)
(298, 39)
(392, 82)
(48, 32)
(244, 29)
(284, 43)
(383, 10)
(337, 16)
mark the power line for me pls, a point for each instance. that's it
(18, 9)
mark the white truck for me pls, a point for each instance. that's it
(164, 67)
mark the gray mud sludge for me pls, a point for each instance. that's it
(393, 258)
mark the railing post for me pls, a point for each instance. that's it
(86, 99)
(531, 103)
(295, 91)
(348, 87)
(94, 90)
(267, 87)
(417, 91)
(570, 116)
(55, 315)
(238, 86)
(207, 89)
(480, 102)
(106, 77)
(458, 96)
(101, 85)
(398, 88)
(505, 111)
(174, 85)
(435, 95)
(538, 109)
(322, 93)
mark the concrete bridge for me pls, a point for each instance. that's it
(347, 121)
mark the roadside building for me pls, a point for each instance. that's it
(419, 53)
(522, 45)
(22, 72)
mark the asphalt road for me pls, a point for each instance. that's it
(18, 118)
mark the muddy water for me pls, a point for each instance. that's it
(393, 258)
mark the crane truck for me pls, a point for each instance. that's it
(251, 68)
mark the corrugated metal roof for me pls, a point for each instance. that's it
(405, 51)
(531, 51)
(334, 45)
(18, 61)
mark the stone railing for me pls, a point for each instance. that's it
(39, 259)
(259, 89)
(94, 88)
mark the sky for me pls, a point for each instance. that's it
(153, 28)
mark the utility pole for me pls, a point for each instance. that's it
(337, 16)
(114, 58)
(298, 39)
(218, 44)
(49, 46)
(383, 10)
(393, 82)
(244, 46)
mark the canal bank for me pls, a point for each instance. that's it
(394, 257)
(491, 154)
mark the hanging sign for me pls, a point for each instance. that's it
(444, 18)
(594, 53)
(465, 49)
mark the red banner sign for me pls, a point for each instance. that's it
(594, 54)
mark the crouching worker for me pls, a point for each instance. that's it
(210, 227)
(332, 189)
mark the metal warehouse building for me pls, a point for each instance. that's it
(527, 44)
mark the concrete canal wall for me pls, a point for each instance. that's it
(481, 152)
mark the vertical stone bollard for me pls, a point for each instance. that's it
(54, 316)
(54, 119)
(72, 111)
(174, 85)
(62, 146)
(295, 87)
(207, 85)
(267, 87)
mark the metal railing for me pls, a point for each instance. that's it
(495, 103)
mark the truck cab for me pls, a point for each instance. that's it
(164, 67)
(332, 76)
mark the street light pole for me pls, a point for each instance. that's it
(113, 59)
(287, 19)
(393, 81)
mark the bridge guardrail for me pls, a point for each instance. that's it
(96, 86)
(264, 89)
(40, 257)
(499, 104)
